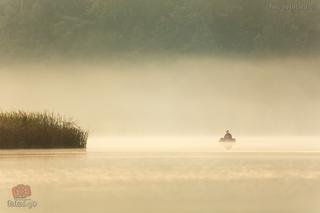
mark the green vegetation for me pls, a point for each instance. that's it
(22, 130)
(88, 28)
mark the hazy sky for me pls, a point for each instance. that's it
(188, 96)
(176, 67)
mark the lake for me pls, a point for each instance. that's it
(100, 180)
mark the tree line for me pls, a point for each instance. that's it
(100, 27)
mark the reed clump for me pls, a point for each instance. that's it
(24, 130)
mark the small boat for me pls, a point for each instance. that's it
(227, 138)
(227, 141)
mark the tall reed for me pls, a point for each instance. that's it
(23, 130)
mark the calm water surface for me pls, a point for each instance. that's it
(152, 182)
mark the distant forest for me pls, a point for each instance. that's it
(99, 27)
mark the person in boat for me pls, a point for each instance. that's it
(227, 138)
(227, 135)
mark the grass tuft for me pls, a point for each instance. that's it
(23, 130)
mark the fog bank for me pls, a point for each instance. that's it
(187, 96)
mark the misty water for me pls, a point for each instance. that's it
(156, 84)
(164, 179)
(153, 132)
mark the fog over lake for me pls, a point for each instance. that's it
(64, 181)
(178, 97)
(157, 83)
(165, 68)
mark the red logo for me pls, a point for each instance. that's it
(21, 191)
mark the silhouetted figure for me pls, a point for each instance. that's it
(227, 135)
